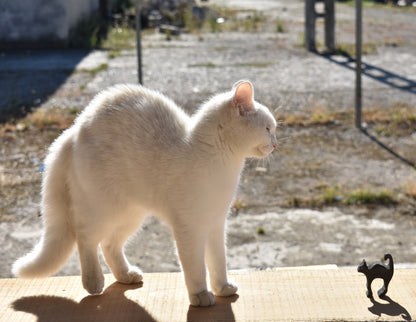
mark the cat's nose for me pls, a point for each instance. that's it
(274, 142)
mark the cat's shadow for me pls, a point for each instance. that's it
(112, 305)
(390, 308)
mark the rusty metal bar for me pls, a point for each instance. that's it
(310, 22)
(358, 52)
(139, 42)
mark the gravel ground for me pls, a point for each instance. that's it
(276, 221)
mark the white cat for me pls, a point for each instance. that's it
(133, 152)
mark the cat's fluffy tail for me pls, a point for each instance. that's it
(58, 239)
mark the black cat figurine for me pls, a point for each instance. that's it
(377, 270)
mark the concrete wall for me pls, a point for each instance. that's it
(41, 20)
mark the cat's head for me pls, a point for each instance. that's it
(253, 123)
(362, 267)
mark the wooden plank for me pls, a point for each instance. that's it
(298, 294)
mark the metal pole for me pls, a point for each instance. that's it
(330, 25)
(139, 42)
(358, 45)
(310, 25)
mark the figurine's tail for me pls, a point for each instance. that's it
(390, 258)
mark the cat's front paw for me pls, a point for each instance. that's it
(205, 298)
(93, 285)
(227, 290)
(134, 275)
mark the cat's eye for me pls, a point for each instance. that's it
(268, 129)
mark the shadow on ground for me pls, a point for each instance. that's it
(113, 305)
(376, 73)
(384, 76)
(102, 307)
(389, 150)
(28, 78)
(391, 308)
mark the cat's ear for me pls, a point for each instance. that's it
(243, 97)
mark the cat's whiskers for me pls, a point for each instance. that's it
(283, 139)
(276, 110)
(280, 124)
(265, 162)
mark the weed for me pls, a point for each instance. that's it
(331, 195)
(321, 186)
(376, 115)
(41, 119)
(261, 231)
(349, 49)
(113, 53)
(400, 119)
(94, 71)
(237, 206)
(168, 35)
(411, 189)
(293, 119)
(254, 64)
(302, 39)
(119, 38)
(365, 197)
(254, 22)
(404, 113)
(88, 32)
(383, 130)
(221, 48)
(336, 195)
(191, 24)
(295, 202)
(206, 65)
(241, 20)
(280, 27)
(365, 3)
(74, 111)
(196, 25)
(210, 24)
(322, 116)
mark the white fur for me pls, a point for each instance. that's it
(133, 152)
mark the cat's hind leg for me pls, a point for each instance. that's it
(88, 237)
(92, 275)
(115, 258)
(383, 291)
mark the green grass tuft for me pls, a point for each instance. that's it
(366, 197)
(261, 231)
